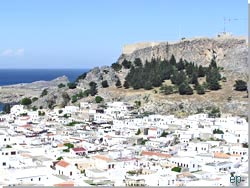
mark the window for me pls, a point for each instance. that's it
(4, 163)
(31, 179)
(13, 153)
(4, 140)
(70, 173)
(39, 179)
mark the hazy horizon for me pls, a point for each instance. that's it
(85, 34)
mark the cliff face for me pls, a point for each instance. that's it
(229, 52)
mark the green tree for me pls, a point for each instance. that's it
(200, 89)
(26, 101)
(98, 99)
(201, 71)
(240, 85)
(116, 66)
(118, 83)
(105, 84)
(74, 98)
(81, 77)
(126, 85)
(93, 88)
(61, 85)
(185, 89)
(214, 113)
(6, 108)
(172, 60)
(126, 64)
(138, 62)
(167, 90)
(34, 99)
(72, 85)
(44, 92)
(138, 132)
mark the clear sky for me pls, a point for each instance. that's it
(88, 33)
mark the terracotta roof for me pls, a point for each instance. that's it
(103, 157)
(25, 126)
(65, 184)
(78, 149)
(221, 155)
(153, 129)
(60, 145)
(158, 154)
(63, 163)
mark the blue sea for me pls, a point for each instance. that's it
(16, 76)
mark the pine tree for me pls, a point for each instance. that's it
(118, 83)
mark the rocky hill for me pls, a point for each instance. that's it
(230, 52)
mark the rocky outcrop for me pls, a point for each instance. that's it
(230, 52)
(14, 93)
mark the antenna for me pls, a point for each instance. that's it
(228, 20)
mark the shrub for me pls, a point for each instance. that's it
(126, 64)
(200, 89)
(81, 77)
(61, 85)
(26, 101)
(105, 84)
(59, 158)
(138, 132)
(126, 85)
(71, 85)
(218, 131)
(116, 66)
(98, 99)
(44, 92)
(34, 99)
(118, 83)
(176, 169)
(240, 85)
(215, 112)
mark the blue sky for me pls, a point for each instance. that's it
(88, 33)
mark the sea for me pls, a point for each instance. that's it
(17, 76)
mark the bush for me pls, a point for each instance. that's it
(34, 99)
(26, 101)
(69, 145)
(71, 85)
(214, 113)
(73, 98)
(240, 85)
(200, 89)
(98, 99)
(118, 83)
(105, 84)
(93, 88)
(126, 85)
(44, 92)
(167, 90)
(185, 89)
(218, 131)
(41, 113)
(138, 132)
(59, 158)
(81, 77)
(176, 169)
(61, 85)
(6, 108)
(116, 66)
(34, 108)
(126, 64)
(138, 62)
